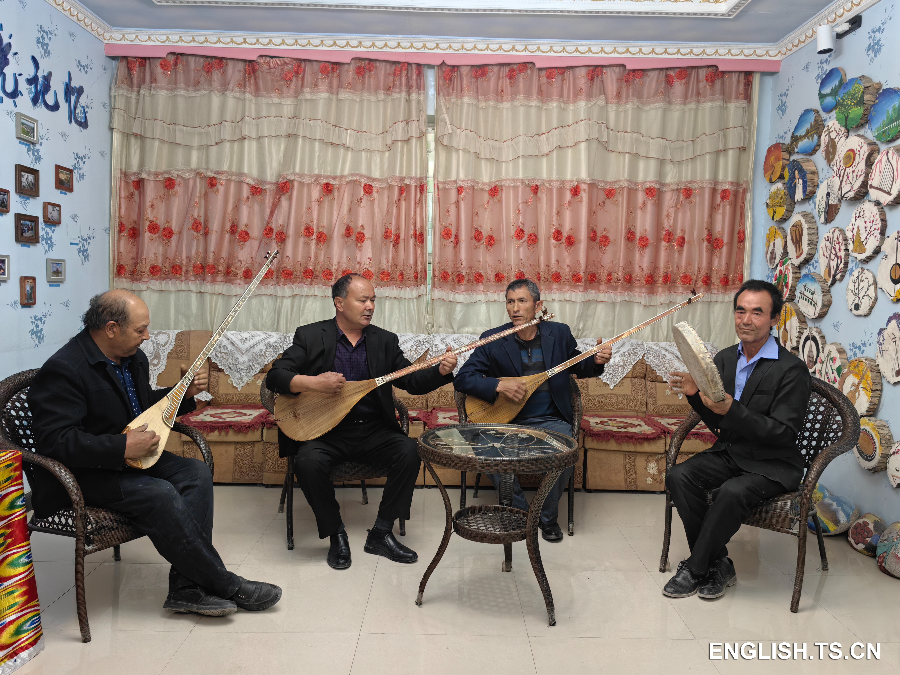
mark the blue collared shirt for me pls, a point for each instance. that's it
(745, 367)
(127, 382)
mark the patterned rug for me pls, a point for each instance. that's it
(621, 428)
(671, 422)
(440, 417)
(237, 417)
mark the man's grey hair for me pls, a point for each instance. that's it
(525, 283)
(103, 308)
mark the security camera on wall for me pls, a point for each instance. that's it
(825, 35)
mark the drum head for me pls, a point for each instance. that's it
(698, 361)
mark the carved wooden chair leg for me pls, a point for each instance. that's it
(572, 504)
(117, 553)
(289, 516)
(477, 481)
(821, 542)
(664, 558)
(362, 484)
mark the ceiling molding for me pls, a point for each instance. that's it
(434, 47)
(706, 9)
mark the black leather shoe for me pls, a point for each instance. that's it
(721, 575)
(551, 532)
(255, 596)
(684, 584)
(195, 599)
(339, 551)
(385, 544)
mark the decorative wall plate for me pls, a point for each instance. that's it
(786, 276)
(834, 253)
(874, 447)
(893, 466)
(862, 292)
(813, 295)
(780, 204)
(776, 245)
(865, 233)
(828, 200)
(861, 383)
(884, 117)
(775, 164)
(832, 136)
(889, 268)
(791, 325)
(884, 178)
(812, 348)
(807, 132)
(857, 155)
(833, 364)
(888, 354)
(829, 88)
(802, 238)
(803, 178)
(855, 97)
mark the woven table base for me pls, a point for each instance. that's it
(491, 524)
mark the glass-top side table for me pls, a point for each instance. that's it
(504, 449)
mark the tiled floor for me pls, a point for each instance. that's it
(475, 619)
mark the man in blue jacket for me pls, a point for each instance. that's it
(532, 350)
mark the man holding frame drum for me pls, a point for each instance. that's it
(755, 457)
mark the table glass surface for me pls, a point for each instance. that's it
(497, 440)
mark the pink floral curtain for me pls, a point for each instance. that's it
(219, 160)
(598, 182)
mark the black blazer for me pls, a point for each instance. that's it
(503, 358)
(760, 430)
(79, 410)
(313, 354)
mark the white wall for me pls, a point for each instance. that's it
(29, 335)
(783, 96)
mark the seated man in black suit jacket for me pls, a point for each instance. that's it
(756, 455)
(324, 355)
(82, 399)
(532, 350)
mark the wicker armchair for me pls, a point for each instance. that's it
(346, 472)
(577, 414)
(94, 529)
(830, 429)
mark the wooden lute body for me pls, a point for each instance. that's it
(504, 409)
(310, 414)
(160, 417)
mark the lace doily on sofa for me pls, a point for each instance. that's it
(157, 349)
(413, 345)
(242, 354)
(663, 357)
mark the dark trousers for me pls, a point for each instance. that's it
(709, 527)
(172, 503)
(369, 442)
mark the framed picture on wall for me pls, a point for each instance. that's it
(28, 181)
(56, 270)
(65, 179)
(26, 128)
(4, 201)
(27, 291)
(27, 230)
(4, 268)
(52, 213)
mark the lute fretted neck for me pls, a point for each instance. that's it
(545, 316)
(177, 394)
(631, 331)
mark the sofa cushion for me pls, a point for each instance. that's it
(629, 395)
(233, 423)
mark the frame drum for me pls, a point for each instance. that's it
(698, 361)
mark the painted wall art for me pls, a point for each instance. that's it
(888, 275)
(813, 296)
(791, 325)
(861, 383)
(828, 200)
(780, 204)
(786, 276)
(834, 254)
(775, 163)
(803, 178)
(812, 348)
(874, 446)
(857, 155)
(829, 88)
(862, 292)
(865, 233)
(884, 179)
(834, 364)
(802, 238)
(888, 354)
(884, 117)
(776, 245)
(807, 132)
(832, 136)
(855, 97)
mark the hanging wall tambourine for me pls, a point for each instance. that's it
(786, 275)
(832, 136)
(888, 355)
(807, 132)
(828, 200)
(776, 245)
(802, 238)
(857, 155)
(834, 364)
(865, 233)
(833, 255)
(812, 348)
(889, 268)
(884, 179)
(775, 163)
(791, 325)
(862, 292)
(861, 383)
(803, 179)
(813, 295)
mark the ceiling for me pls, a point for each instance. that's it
(756, 22)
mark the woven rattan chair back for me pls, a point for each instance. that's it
(830, 428)
(346, 472)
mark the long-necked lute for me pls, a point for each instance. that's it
(161, 417)
(505, 409)
(310, 414)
